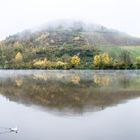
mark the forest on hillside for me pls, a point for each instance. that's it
(74, 46)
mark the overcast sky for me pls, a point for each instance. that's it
(17, 15)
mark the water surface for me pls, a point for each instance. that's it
(66, 105)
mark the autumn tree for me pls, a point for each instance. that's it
(101, 59)
(19, 57)
(75, 60)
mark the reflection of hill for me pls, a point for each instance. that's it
(70, 93)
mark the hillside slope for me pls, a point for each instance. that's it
(53, 46)
(74, 34)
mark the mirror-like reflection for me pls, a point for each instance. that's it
(70, 92)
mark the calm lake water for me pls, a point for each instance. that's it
(70, 105)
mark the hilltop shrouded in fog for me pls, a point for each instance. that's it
(73, 33)
(116, 14)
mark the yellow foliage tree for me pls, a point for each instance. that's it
(60, 63)
(101, 59)
(105, 58)
(40, 63)
(75, 60)
(96, 60)
(18, 57)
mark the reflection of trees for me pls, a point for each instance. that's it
(101, 80)
(40, 76)
(19, 82)
(125, 82)
(75, 79)
(60, 93)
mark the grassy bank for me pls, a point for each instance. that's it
(115, 51)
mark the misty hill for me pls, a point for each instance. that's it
(53, 46)
(70, 33)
